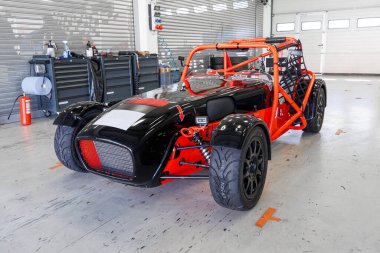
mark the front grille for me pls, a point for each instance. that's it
(114, 159)
(107, 158)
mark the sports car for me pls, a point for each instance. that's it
(215, 124)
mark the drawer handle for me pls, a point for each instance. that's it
(110, 92)
(63, 103)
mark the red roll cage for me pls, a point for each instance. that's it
(274, 117)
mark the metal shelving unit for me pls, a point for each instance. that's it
(146, 74)
(69, 78)
(117, 77)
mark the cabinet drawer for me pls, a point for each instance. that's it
(148, 78)
(118, 93)
(148, 87)
(63, 103)
(148, 62)
(72, 91)
(118, 82)
(117, 73)
(148, 70)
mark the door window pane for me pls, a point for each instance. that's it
(339, 24)
(284, 27)
(368, 22)
(311, 25)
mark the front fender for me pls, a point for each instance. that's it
(233, 129)
(72, 115)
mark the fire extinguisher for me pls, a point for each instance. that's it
(25, 115)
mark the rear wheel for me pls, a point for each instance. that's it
(237, 176)
(64, 144)
(314, 125)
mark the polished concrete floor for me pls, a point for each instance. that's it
(325, 188)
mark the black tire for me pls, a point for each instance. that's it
(237, 176)
(314, 125)
(64, 143)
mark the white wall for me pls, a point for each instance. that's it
(145, 39)
(349, 50)
(292, 6)
(267, 19)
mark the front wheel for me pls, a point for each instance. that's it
(237, 176)
(64, 143)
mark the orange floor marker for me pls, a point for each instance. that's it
(268, 215)
(57, 165)
(339, 132)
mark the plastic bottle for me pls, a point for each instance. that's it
(50, 49)
(89, 51)
(66, 52)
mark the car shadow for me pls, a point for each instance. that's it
(181, 203)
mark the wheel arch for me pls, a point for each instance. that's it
(72, 115)
(233, 129)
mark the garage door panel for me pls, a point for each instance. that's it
(283, 19)
(205, 22)
(357, 47)
(352, 63)
(310, 42)
(351, 42)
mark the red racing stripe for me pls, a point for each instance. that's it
(148, 101)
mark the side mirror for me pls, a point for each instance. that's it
(181, 59)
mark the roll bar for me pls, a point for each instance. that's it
(273, 45)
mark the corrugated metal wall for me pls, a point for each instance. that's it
(26, 25)
(188, 23)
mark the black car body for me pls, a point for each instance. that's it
(136, 153)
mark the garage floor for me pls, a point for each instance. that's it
(325, 188)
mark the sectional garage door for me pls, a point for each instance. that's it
(26, 25)
(188, 23)
(338, 36)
